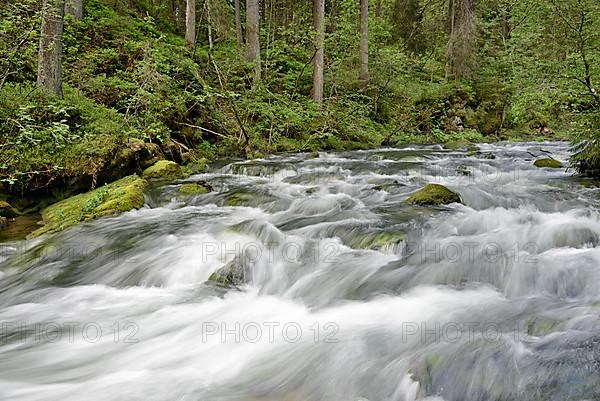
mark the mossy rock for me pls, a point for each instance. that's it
(434, 194)
(240, 199)
(547, 163)
(6, 210)
(233, 274)
(461, 145)
(193, 189)
(541, 326)
(163, 170)
(589, 182)
(380, 240)
(195, 167)
(111, 199)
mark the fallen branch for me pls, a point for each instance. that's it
(201, 128)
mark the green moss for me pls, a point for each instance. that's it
(163, 170)
(114, 198)
(434, 194)
(461, 145)
(380, 240)
(193, 189)
(6, 210)
(239, 199)
(548, 163)
(589, 182)
(195, 167)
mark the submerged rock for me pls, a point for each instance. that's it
(6, 210)
(379, 240)
(579, 237)
(111, 199)
(433, 194)
(548, 163)
(163, 170)
(193, 189)
(240, 199)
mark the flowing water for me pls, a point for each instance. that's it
(342, 290)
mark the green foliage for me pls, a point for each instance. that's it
(128, 74)
(44, 137)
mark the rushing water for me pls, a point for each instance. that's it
(347, 292)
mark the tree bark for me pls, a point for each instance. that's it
(238, 24)
(252, 36)
(319, 27)
(364, 40)
(190, 22)
(74, 8)
(378, 8)
(462, 36)
(50, 53)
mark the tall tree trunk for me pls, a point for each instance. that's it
(190, 22)
(364, 40)
(50, 53)
(252, 36)
(462, 35)
(74, 8)
(378, 8)
(238, 24)
(319, 27)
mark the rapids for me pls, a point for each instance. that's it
(348, 293)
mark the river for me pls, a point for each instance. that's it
(342, 290)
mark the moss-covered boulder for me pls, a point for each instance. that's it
(461, 145)
(547, 163)
(111, 199)
(193, 189)
(433, 194)
(163, 170)
(6, 210)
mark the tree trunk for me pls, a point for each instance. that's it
(378, 8)
(190, 22)
(238, 24)
(252, 36)
(74, 8)
(364, 40)
(50, 53)
(319, 27)
(462, 35)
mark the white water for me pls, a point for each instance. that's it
(496, 299)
